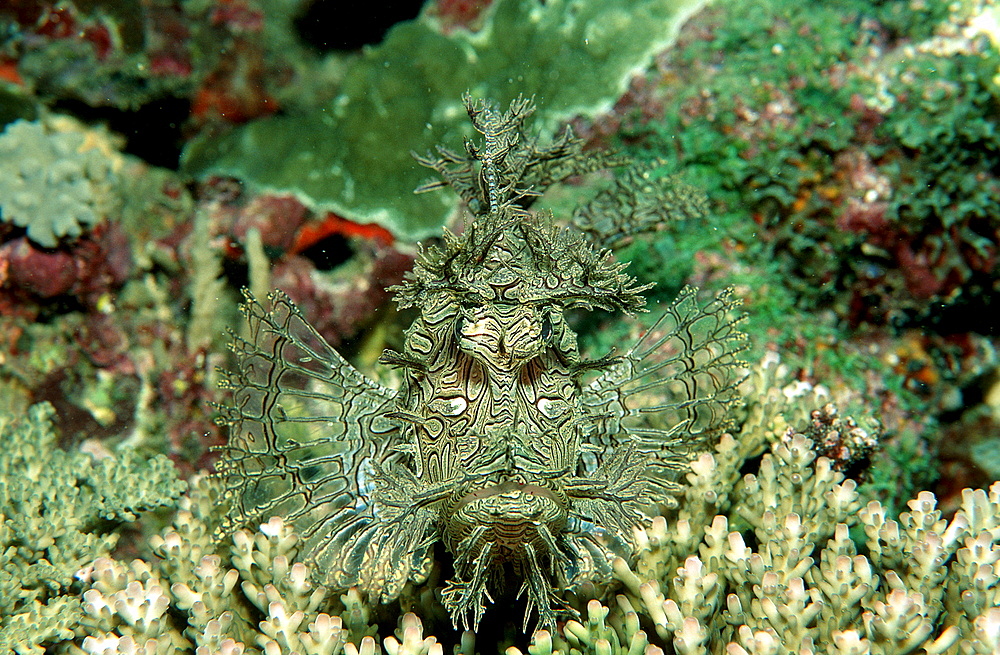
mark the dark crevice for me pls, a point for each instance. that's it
(974, 310)
(329, 253)
(152, 132)
(327, 26)
(236, 273)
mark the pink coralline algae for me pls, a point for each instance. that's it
(90, 268)
(340, 305)
(277, 218)
(40, 272)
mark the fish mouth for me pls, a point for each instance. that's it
(509, 509)
(508, 515)
(511, 489)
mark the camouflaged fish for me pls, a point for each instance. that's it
(529, 462)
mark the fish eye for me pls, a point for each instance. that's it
(459, 324)
(471, 300)
(546, 333)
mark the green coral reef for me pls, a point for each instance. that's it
(849, 152)
(353, 157)
(772, 550)
(853, 146)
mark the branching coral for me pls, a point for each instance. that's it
(249, 595)
(725, 596)
(776, 571)
(750, 564)
(57, 513)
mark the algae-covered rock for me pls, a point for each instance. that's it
(353, 157)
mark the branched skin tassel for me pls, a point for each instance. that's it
(525, 459)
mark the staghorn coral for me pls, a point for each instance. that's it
(57, 513)
(800, 589)
(775, 569)
(249, 595)
(753, 563)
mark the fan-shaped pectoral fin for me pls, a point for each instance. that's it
(674, 387)
(305, 430)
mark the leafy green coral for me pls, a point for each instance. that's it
(56, 179)
(944, 120)
(851, 161)
(58, 510)
(575, 56)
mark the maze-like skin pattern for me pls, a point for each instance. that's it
(502, 442)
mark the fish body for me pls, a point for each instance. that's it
(503, 442)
